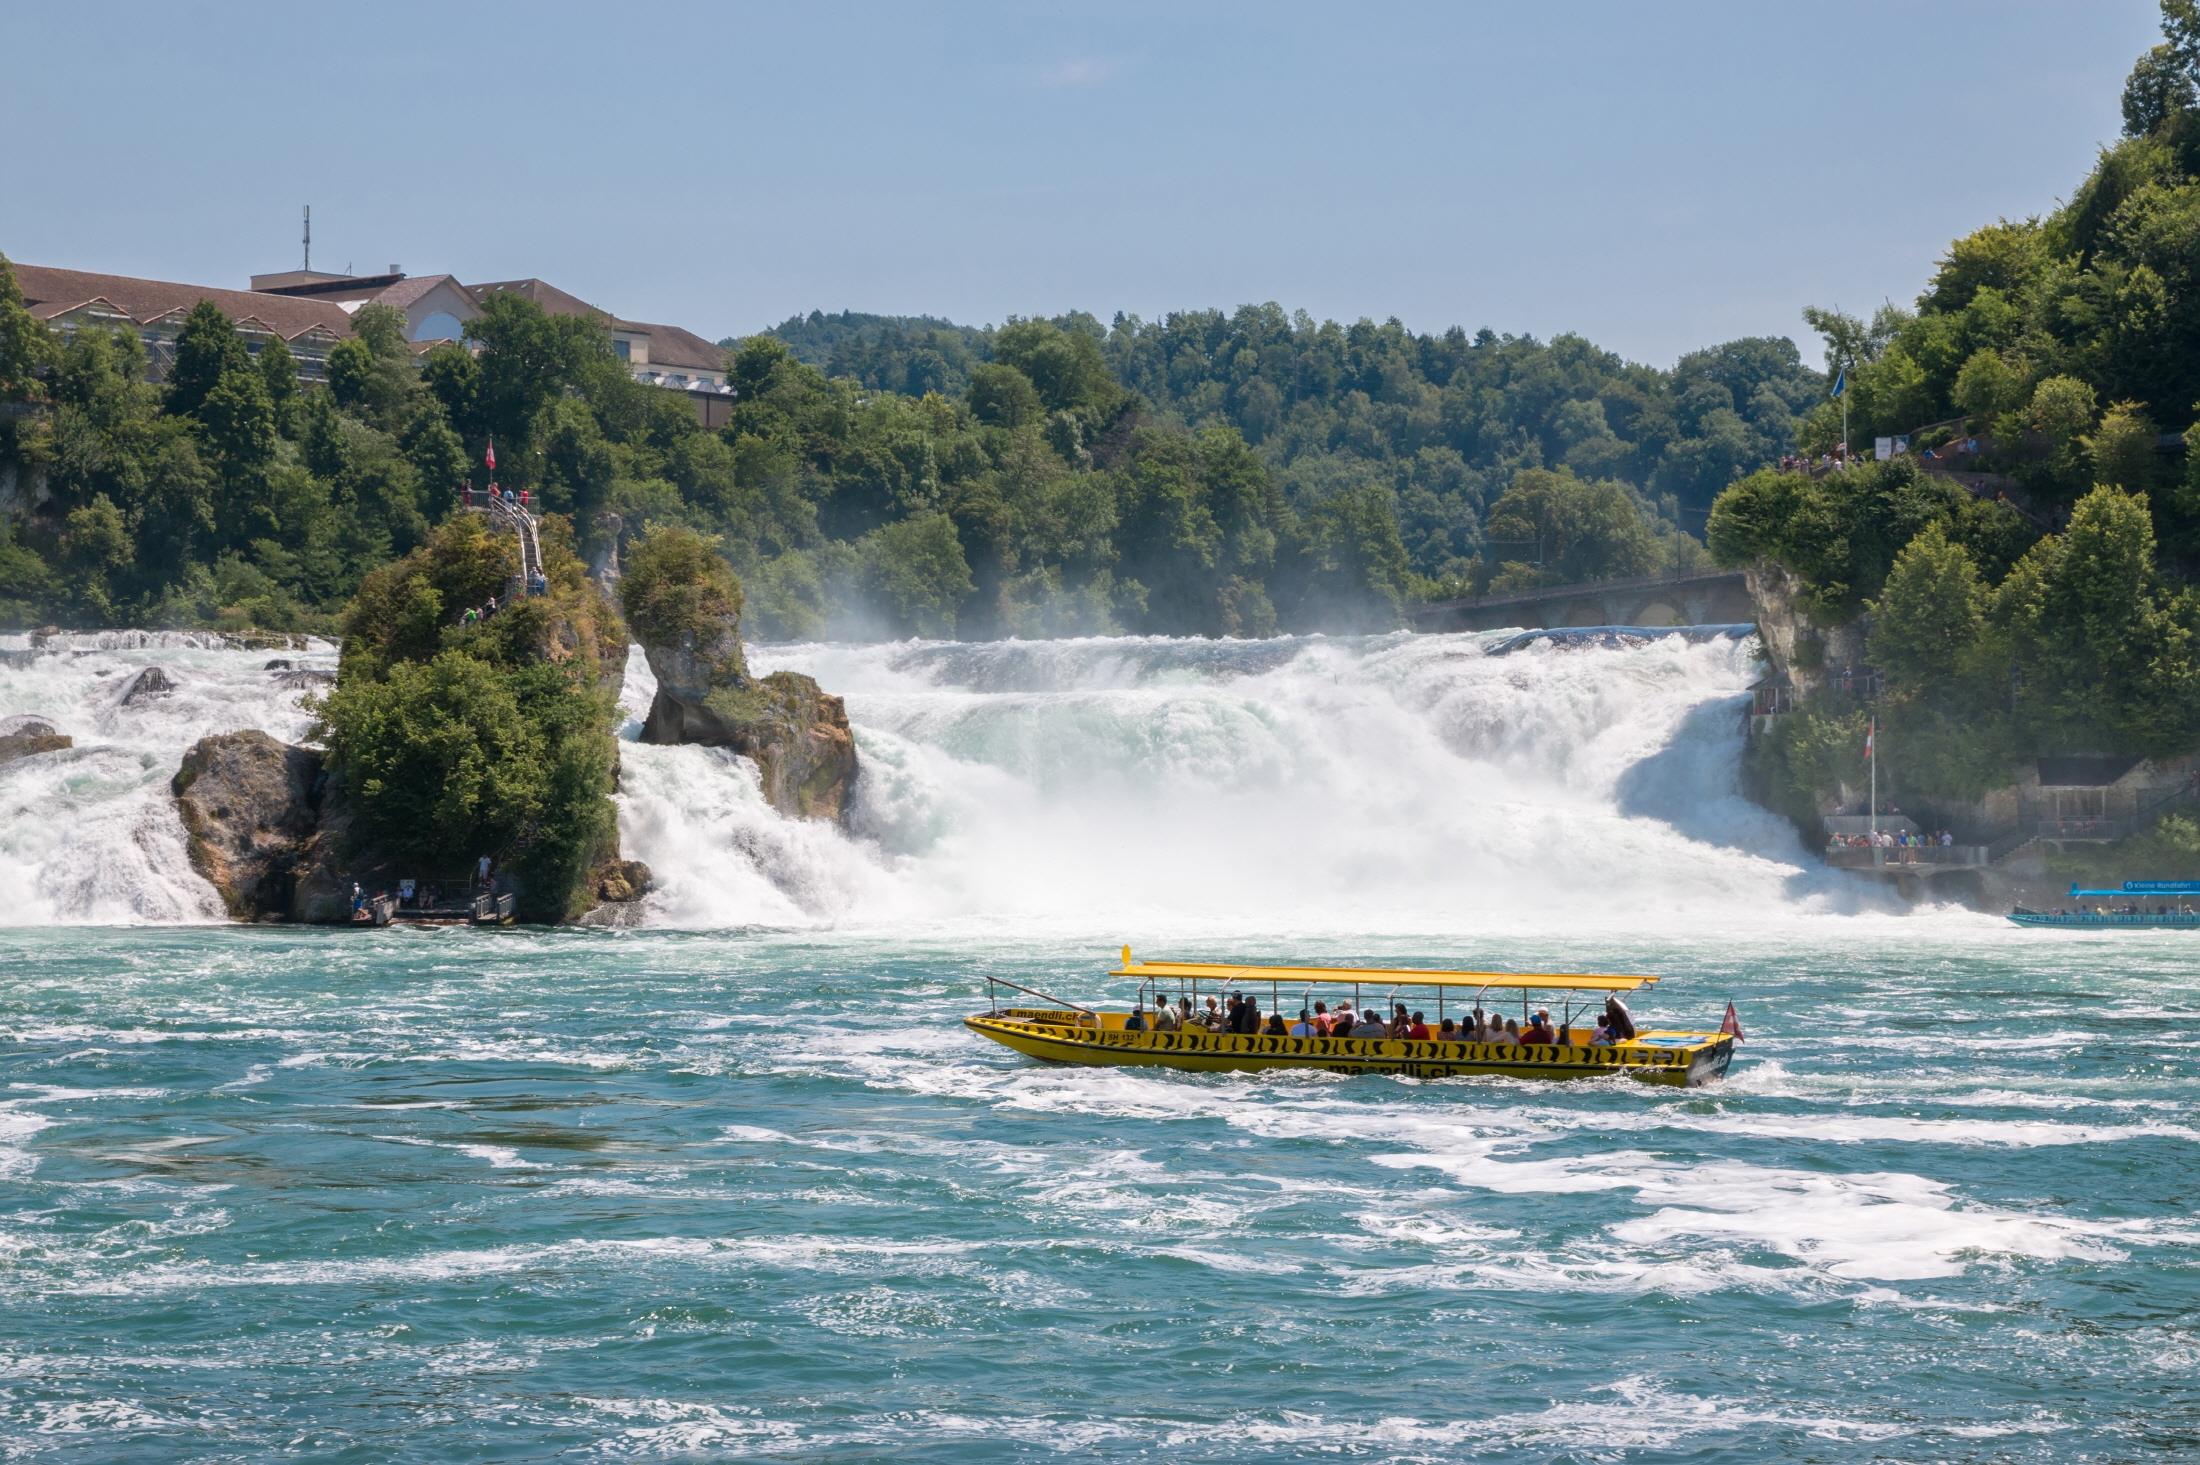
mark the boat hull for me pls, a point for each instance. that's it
(2174, 921)
(1681, 1060)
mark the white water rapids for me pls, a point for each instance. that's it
(1401, 783)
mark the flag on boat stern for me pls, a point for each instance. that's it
(1732, 1027)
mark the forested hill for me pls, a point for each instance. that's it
(1442, 422)
(911, 354)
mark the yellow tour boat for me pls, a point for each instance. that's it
(1068, 1033)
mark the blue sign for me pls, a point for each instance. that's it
(2163, 887)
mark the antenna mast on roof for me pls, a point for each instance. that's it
(309, 239)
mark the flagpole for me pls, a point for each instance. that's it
(1871, 745)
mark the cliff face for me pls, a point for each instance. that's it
(1795, 642)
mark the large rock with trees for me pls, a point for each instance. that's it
(684, 605)
(454, 739)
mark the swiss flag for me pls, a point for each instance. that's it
(491, 459)
(1732, 1027)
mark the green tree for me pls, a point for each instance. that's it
(207, 349)
(917, 573)
(1930, 614)
(2124, 450)
(2160, 86)
(678, 590)
(27, 351)
(1003, 396)
(2105, 661)
(1570, 530)
(1990, 384)
(279, 374)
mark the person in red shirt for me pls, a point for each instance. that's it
(1418, 1028)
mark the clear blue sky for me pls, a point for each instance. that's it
(1655, 177)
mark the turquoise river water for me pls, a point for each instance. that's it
(743, 1187)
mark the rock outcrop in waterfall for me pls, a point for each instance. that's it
(266, 827)
(684, 606)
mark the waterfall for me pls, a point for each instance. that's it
(90, 834)
(1397, 783)
(1136, 785)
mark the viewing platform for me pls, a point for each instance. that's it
(457, 902)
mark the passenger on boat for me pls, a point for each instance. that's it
(1136, 1022)
(1370, 1026)
(1321, 1019)
(1602, 1037)
(1510, 1033)
(1619, 1019)
(1399, 1023)
(1341, 1021)
(1211, 1019)
(1540, 1031)
(1164, 1017)
(1418, 1031)
(1275, 1028)
(1304, 1027)
(1446, 1031)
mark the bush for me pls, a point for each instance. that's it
(677, 590)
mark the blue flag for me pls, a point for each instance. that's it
(1840, 380)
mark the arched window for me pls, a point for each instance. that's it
(439, 325)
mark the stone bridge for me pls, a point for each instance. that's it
(1704, 598)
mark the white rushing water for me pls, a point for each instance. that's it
(90, 834)
(1406, 783)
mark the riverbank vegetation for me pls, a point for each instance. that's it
(2043, 601)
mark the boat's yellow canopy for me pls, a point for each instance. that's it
(1225, 972)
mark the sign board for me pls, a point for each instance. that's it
(1882, 448)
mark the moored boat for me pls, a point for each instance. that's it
(1070, 1033)
(2163, 904)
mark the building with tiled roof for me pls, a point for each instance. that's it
(666, 356)
(312, 310)
(70, 300)
(435, 307)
